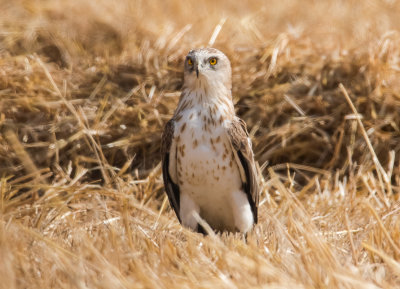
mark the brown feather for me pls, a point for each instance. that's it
(171, 188)
(239, 138)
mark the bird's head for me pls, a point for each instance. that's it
(207, 67)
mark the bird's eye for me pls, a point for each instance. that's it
(213, 61)
(190, 62)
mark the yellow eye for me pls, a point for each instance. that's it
(213, 61)
(190, 62)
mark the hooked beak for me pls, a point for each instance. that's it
(197, 71)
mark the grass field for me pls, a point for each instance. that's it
(86, 87)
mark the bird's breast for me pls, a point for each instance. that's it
(204, 153)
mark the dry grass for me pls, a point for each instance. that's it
(86, 86)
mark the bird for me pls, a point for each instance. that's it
(208, 165)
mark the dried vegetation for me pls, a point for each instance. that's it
(86, 86)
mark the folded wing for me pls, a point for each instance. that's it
(241, 145)
(168, 151)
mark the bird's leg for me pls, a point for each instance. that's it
(242, 214)
(188, 209)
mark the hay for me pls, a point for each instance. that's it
(86, 87)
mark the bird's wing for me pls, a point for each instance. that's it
(241, 145)
(168, 151)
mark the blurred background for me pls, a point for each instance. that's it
(90, 84)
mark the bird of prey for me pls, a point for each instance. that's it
(207, 158)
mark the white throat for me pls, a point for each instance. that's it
(205, 92)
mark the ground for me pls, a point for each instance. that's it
(86, 88)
